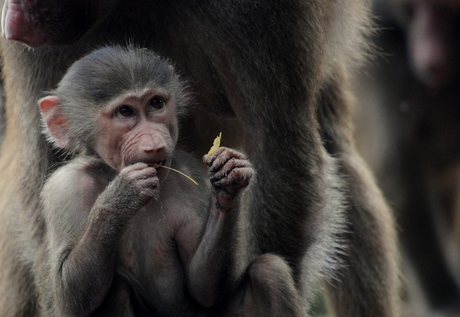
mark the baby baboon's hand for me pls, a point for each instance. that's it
(135, 186)
(230, 173)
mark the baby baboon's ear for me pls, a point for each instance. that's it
(55, 123)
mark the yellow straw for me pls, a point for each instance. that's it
(174, 170)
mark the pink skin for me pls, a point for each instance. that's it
(146, 135)
(18, 25)
(38, 22)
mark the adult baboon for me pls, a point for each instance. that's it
(272, 76)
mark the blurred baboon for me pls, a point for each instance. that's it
(408, 130)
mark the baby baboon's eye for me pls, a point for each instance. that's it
(156, 103)
(124, 111)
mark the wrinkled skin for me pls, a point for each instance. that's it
(148, 136)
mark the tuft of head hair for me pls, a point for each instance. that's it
(105, 74)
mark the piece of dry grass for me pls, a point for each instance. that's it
(174, 170)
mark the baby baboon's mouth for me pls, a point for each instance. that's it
(158, 164)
